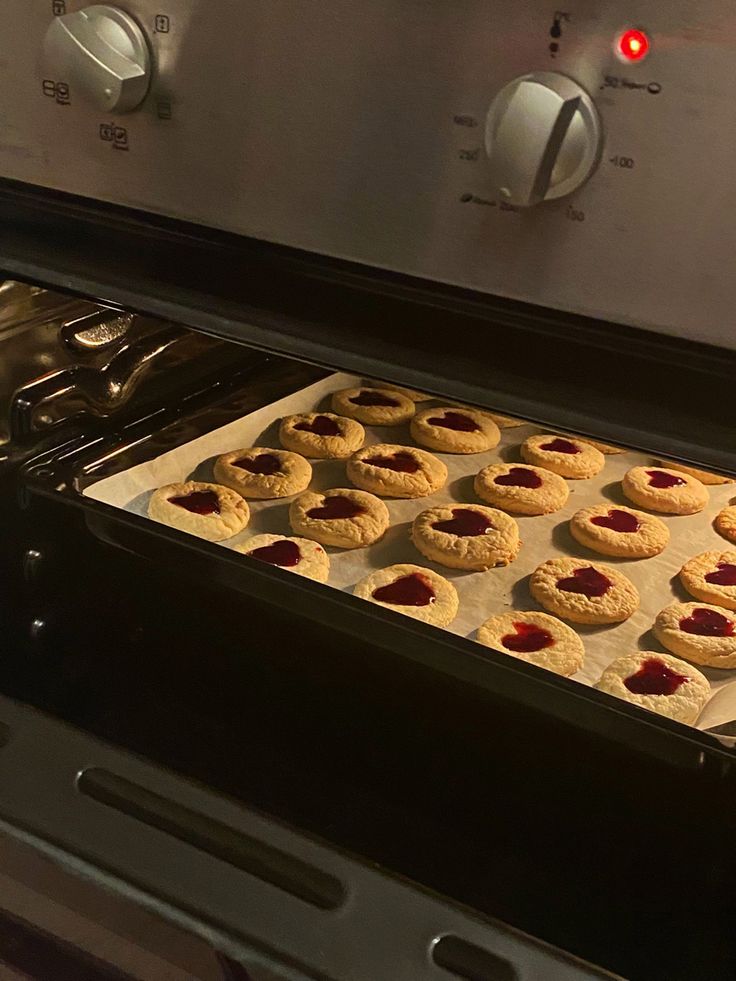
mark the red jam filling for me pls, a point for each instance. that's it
(465, 522)
(587, 581)
(655, 678)
(336, 507)
(198, 502)
(400, 462)
(519, 477)
(264, 463)
(283, 553)
(617, 521)
(559, 445)
(527, 639)
(456, 421)
(723, 575)
(411, 590)
(662, 480)
(707, 623)
(373, 398)
(320, 426)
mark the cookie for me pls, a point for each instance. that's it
(704, 476)
(298, 555)
(342, 517)
(321, 435)
(584, 592)
(410, 393)
(658, 682)
(537, 638)
(466, 536)
(567, 456)
(262, 473)
(664, 490)
(410, 589)
(700, 633)
(621, 531)
(711, 577)
(396, 471)
(606, 448)
(208, 511)
(521, 489)
(725, 523)
(373, 406)
(452, 430)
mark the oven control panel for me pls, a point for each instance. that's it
(579, 157)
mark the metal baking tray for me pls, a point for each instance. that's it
(482, 594)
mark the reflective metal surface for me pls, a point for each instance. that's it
(356, 129)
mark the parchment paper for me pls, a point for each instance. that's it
(481, 593)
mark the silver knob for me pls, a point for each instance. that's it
(101, 51)
(543, 138)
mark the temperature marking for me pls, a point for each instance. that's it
(161, 24)
(58, 7)
(56, 90)
(625, 163)
(117, 135)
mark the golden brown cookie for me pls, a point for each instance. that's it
(704, 476)
(466, 536)
(206, 510)
(711, 577)
(664, 490)
(410, 393)
(567, 456)
(396, 471)
(658, 682)
(698, 632)
(584, 592)
(299, 555)
(537, 638)
(725, 522)
(451, 430)
(321, 435)
(342, 517)
(615, 530)
(521, 489)
(373, 406)
(413, 590)
(262, 473)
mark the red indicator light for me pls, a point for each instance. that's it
(632, 45)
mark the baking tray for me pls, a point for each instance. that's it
(481, 593)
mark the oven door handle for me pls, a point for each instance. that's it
(260, 891)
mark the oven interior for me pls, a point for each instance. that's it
(588, 826)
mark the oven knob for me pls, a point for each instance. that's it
(543, 138)
(101, 51)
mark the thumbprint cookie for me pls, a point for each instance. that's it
(412, 590)
(567, 456)
(206, 510)
(262, 473)
(657, 682)
(373, 406)
(665, 490)
(299, 555)
(466, 536)
(521, 489)
(396, 471)
(321, 435)
(537, 638)
(584, 592)
(452, 430)
(620, 531)
(342, 517)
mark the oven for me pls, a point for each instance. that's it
(214, 215)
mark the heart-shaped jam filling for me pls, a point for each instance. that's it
(401, 462)
(320, 426)
(198, 502)
(264, 463)
(527, 639)
(586, 581)
(723, 575)
(373, 398)
(559, 445)
(466, 523)
(707, 623)
(412, 590)
(283, 553)
(457, 421)
(617, 520)
(662, 480)
(654, 677)
(336, 507)
(519, 477)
